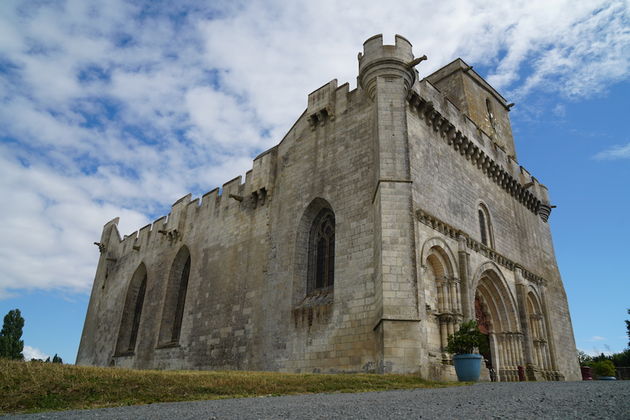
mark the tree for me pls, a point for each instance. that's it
(584, 359)
(10, 344)
(628, 328)
(57, 359)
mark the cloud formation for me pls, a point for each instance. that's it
(33, 353)
(615, 152)
(120, 108)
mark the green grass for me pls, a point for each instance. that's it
(35, 386)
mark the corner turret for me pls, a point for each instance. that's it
(378, 60)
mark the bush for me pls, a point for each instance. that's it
(621, 359)
(604, 368)
(466, 339)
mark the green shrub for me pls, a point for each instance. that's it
(466, 339)
(604, 368)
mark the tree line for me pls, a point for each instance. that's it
(621, 359)
(11, 343)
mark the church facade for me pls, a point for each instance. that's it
(386, 216)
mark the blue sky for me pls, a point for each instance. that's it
(120, 108)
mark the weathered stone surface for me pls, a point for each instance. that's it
(405, 165)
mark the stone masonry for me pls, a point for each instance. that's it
(386, 216)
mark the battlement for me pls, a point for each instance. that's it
(232, 198)
(374, 49)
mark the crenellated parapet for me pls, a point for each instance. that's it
(472, 144)
(379, 60)
(325, 103)
(234, 197)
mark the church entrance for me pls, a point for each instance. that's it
(495, 312)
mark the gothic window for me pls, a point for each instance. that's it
(321, 252)
(485, 226)
(132, 312)
(175, 299)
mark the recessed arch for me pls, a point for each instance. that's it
(443, 295)
(132, 312)
(175, 298)
(441, 244)
(537, 323)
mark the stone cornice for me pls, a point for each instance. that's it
(454, 233)
(476, 156)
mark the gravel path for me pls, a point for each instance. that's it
(525, 400)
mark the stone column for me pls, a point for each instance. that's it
(441, 296)
(467, 295)
(453, 293)
(521, 296)
(443, 332)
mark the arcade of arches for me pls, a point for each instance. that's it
(515, 327)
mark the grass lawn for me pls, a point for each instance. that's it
(36, 386)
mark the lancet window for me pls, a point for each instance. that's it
(485, 226)
(490, 112)
(132, 312)
(175, 299)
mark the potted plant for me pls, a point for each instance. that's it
(605, 370)
(463, 345)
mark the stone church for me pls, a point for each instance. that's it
(387, 215)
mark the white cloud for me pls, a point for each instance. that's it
(615, 152)
(33, 353)
(559, 110)
(597, 338)
(119, 109)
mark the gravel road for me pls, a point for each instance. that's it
(524, 400)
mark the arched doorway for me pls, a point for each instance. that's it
(495, 311)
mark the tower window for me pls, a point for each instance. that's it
(490, 112)
(485, 226)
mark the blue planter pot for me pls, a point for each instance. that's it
(467, 367)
